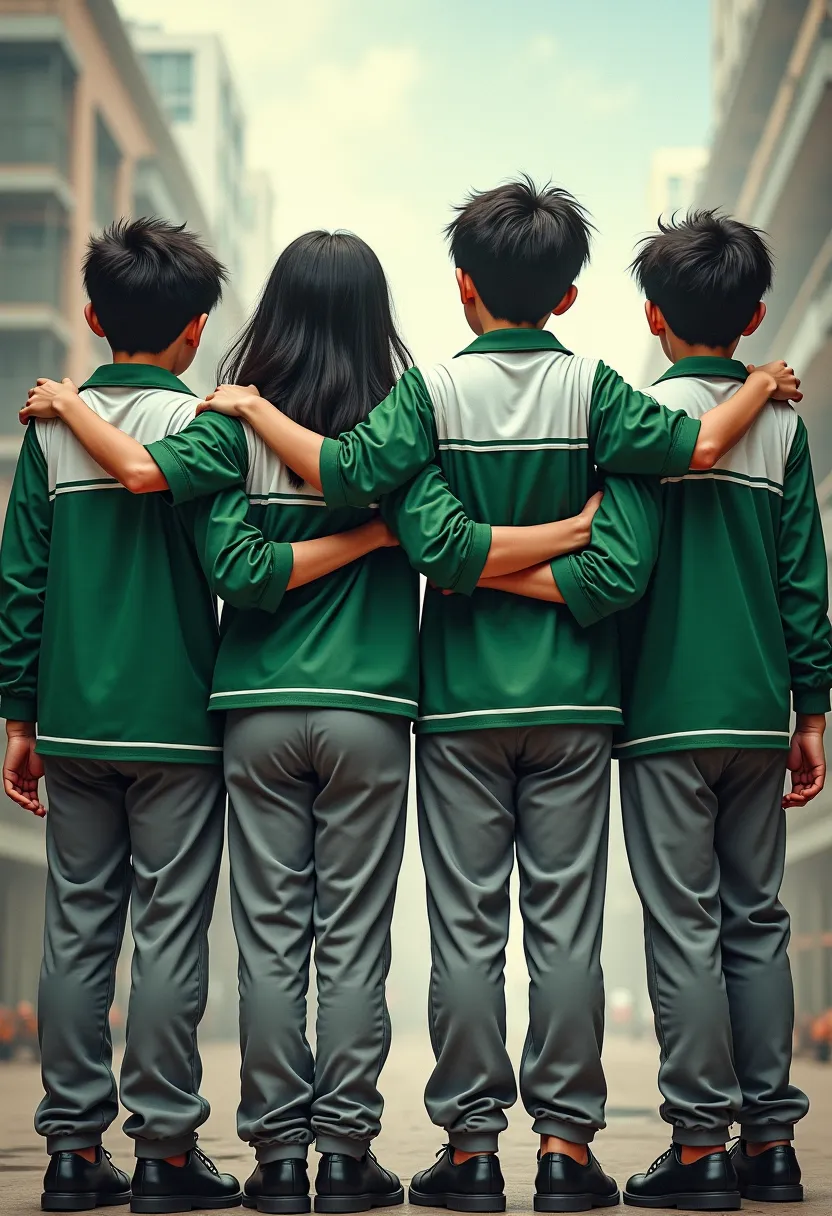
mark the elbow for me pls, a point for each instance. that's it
(142, 480)
(705, 455)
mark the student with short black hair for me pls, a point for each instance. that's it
(517, 703)
(108, 640)
(735, 619)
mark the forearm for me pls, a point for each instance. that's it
(723, 426)
(536, 583)
(315, 558)
(118, 454)
(517, 549)
(296, 446)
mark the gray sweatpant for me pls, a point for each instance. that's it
(317, 806)
(544, 791)
(149, 836)
(706, 839)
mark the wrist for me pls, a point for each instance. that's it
(811, 724)
(16, 729)
(765, 381)
(249, 407)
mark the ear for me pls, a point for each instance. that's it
(655, 319)
(756, 321)
(467, 290)
(566, 303)
(194, 329)
(93, 322)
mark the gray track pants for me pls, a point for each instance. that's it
(543, 791)
(706, 838)
(316, 832)
(148, 835)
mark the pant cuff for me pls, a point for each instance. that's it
(341, 1144)
(68, 1144)
(759, 1133)
(701, 1137)
(174, 1147)
(576, 1133)
(474, 1142)
(264, 1153)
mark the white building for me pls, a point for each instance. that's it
(258, 238)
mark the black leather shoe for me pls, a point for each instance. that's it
(475, 1186)
(159, 1186)
(279, 1186)
(708, 1185)
(354, 1184)
(564, 1185)
(770, 1177)
(72, 1184)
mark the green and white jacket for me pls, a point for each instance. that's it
(348, 640)
(734, 619)
(517, 424)
(108, 622)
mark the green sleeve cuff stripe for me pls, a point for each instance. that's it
(179, 484)
(570, 585)
(19, 709)
(283, 561)
(331, 482)
(811, 701)
(471, 569)
(681, 453)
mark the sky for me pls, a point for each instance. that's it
(377, 115)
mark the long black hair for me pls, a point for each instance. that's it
(322, 343)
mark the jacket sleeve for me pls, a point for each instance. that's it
(242, 567)
(24, 566)
(614, 570)
(438, 537)
(209, 455)
(803, 579)
(631, 432)
(395, 441)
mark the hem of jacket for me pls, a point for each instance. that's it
(330, 474)
(519, 717)
(681, 453)
(149, 752)
(283, 561)
(697, 742)
(19, 709)
(312, 700)
(179, 485)
(471, 570)
(572, 589)
(812, 701)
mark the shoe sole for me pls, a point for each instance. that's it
(704, 1201)
(183, 1203)
(287, 1204)
(575, 1203)
(84, 1201)
(774, 1194)
(458, 1203)
(358, 1203)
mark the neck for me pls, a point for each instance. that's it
(491, 323)
(685, 350)
(168, 359)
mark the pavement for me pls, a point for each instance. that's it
(634, 1137)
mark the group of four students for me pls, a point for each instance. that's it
(675, 621)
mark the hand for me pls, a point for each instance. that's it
(230, 399)
(47, 398)
(23, 767)
(786, 382)
(586, 516)
(806, 761)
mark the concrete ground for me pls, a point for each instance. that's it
(634, 1137)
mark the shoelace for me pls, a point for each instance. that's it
(659, 1160)
(206, 1161)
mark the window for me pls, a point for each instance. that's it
(172, 76)
(107, 161)
(36, 86)
(23, 355)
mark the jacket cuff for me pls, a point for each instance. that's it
(179, 484)
(811, 700)
(570, 585)
(275, 589)
(681, 452)
(329, 469)
(471, 570)
(19, 709)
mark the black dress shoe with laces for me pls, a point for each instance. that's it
(707, 1185)
(769, 1177)
(278, 1186)
(355, 1184)
(159, 1186)
(72, 1184)
(475, 1186)
(564, 1185)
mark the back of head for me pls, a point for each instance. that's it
(146, 279)
(322, 344)
(707, 273)
(522, 246)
